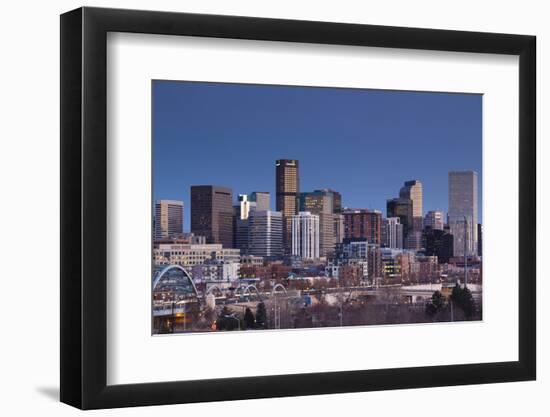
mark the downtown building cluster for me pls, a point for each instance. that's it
(311, 233)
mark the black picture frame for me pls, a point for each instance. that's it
(84, 207)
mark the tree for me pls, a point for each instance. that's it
(436, 304)
(226, 320)
(462, 297)
(261, 316)
(249, 321)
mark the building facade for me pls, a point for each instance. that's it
(363, 223)
(241, 213)
(412, 190)
(402, 208)
(262, 199)
(265, 234)
(216, 270)
(305, 235)
(168, 219)
(392, 233)
(391, 264)
(435, 220)
(212, 213)
(463, 212)
(356, 252)
(189, 255)
(322, 204)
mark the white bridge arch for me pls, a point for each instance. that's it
(278, 286)
(212, 288)
(168, 268)
(245, 290)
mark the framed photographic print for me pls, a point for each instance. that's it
(258, 207)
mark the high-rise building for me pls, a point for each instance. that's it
(305, 235)
(168, 219)
(392, 233)
(262, 200)
(402, 208)
(322, 203)
(241, 212)
(412, 190)
(245, 206)
(362, 223)
(463, 209)
(287, 188)
(212, 213)
(434, 219)
(337, 201)
(338, 220)
(438, 243)
(265, 234)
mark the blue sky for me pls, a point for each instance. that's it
(363, 143)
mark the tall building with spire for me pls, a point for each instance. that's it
(287, 189)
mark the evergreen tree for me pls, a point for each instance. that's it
(462, 297)
(226, 321)
(249, 321)
(261, 316)
(436, 304)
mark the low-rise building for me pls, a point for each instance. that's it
(189, 255)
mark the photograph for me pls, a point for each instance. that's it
(300, 207)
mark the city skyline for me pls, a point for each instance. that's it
(314, 207)
(366, 185)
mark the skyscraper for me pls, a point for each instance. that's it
(241, 214)
(245, 206)
(265, 234)
(337, 201)
(412, 190)
(402, 208)
(168, 218)
(262, 200)
(305, 235)
(462, 215)
(322, 203)
(212, 213)
(287, 188)
(434, 219)
(363, 223)
(392, 233)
